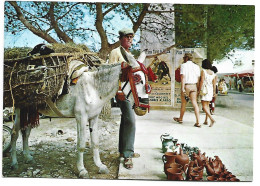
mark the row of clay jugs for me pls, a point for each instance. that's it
(182, 159)
(174, 174)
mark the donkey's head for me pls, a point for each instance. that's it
(136, 86)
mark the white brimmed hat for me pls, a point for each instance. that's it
(125, 31)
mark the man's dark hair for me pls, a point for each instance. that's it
(206, 64)
(214, 69)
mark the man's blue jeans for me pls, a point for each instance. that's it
(127, 129)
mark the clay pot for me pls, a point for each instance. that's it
(198, 170)
(183, 159)
(211, 178)
(188, 176)
(172, 165)
(201, 158)
(174, 174)
(176, 165)
(195, 176)
(222, 179)
(210, 171)
(168, 158)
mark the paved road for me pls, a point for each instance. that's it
(245, 100)
(238, 107)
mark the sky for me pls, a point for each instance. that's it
(226, 65)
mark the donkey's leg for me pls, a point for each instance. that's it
(93, 127)
(15, 135)
(82, 120)
(26, 151)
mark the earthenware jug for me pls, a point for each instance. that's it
(168, 158)
(183, 159)
(174, 174)
(209, 169)
(167, 143)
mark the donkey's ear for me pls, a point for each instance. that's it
(142, 57)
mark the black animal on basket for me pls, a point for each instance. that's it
(42, 49)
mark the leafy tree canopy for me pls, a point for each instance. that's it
(219, 28)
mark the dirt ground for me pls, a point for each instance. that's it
(54, 148)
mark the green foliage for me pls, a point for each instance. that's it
(16, 52)
(220, 28)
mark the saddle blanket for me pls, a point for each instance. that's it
(76, 69)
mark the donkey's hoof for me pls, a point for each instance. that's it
(83, 174)
(103, 170)
(14, 166)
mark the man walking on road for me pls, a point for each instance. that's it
(190, 78)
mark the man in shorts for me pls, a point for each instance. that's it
(190, 78)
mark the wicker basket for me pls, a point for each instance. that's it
(29, 81)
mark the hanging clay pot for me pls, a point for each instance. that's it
(174, 174)
(183, 159)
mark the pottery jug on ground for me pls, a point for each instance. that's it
(210, 171)
(168, 158)
(167, 142)
(198, 170)
(183, 159)
(174, 174)
(188, 176)
(172, 165)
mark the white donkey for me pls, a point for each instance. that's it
(85, 102)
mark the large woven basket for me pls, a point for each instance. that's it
(29, 81)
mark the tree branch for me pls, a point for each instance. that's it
(127, 13)
(110, 9)
(67, 11)
(141, 17)
(28, 25)
(62, 35)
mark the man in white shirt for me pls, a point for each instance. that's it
(190, 78)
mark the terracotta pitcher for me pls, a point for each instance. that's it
(168, 158)
(188, 176)
(198, 170)
(210, 171)
(174, 174)
(183, 159)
